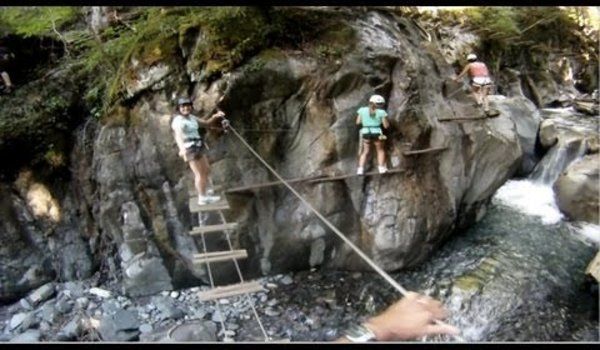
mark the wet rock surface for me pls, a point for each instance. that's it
(577, 189)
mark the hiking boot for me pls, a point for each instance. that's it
(360, 171)
(382, 169)
(203, 200)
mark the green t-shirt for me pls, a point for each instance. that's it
(371, 123)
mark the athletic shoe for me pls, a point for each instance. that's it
(382, 169)
(203, 200)
(360, 171)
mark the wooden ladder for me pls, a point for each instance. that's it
(243, 287)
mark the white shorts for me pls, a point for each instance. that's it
(481, 81)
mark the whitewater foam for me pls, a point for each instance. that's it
(530, 198)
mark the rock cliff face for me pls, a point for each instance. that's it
(125, 205)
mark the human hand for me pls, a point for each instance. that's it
(412, 317)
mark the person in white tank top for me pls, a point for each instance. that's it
(480, 80)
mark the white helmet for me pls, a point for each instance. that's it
(377, 99)
(471, 57)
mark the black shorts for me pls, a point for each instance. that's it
(370, 136)
(195, 151)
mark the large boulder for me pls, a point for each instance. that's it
(397, 219)
(577, 189)
(527, 120)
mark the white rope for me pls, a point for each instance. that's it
(248, 298)
(380, 271)
(212, 285)
(237, 267)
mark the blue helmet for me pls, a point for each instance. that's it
(184, 101)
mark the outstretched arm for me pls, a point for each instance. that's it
(410, 318)
(211, 119)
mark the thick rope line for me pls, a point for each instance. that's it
(239, 271)
(380, 271)
(248, 298)
(212, 285)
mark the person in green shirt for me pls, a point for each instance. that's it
(372, 118)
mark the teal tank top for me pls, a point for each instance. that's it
(371, 123)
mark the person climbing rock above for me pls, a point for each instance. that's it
(372, 118)
(5, 58)
(191, 146)
(409, 318)
(480, 80)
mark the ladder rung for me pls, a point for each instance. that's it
(220, 256)
(213, 228)
(196, 208)
(231, 290)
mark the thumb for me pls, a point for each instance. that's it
(434, 329)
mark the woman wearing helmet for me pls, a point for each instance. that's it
(191, 146)
(480, 80)
(372, 118)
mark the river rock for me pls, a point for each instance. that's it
(102, 293)
(25, 304)
(42, 293)
(548, 135)
(527, 121)
(167, 308)
(49, 313)
(22, 321)
(577, 189)
(121, 326)
(197, 331)
(30, 336)
(63, 304)
(146, 328)
(82, 303)
(71, 330)
(75, 288)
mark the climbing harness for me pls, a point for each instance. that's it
(380, 271)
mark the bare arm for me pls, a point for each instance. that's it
(464, 71)
(358, 120)
(179, 140)
(410, 318)
(211, 119)
(385, 122)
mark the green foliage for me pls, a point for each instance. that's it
(101, 65)
(34, 128)
(37, 21)
(517, 36)
(255, 65)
